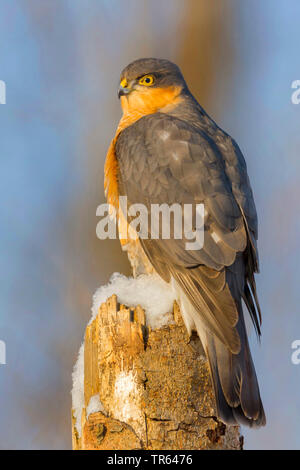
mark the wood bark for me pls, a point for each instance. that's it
(154, 386)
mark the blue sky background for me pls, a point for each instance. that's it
(61, 62)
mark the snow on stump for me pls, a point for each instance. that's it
(137, 386)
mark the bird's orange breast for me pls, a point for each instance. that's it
(111, 164)
(136, 105)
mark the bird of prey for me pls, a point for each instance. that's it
(168, 150)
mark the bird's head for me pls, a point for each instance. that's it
(150, 85)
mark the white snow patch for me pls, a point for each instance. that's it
(125, 385)
(94, 406)
(156, 297)
(78, 393)
(153, 294)
(78, 388)
(127, 395)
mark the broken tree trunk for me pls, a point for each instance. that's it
(153, 385)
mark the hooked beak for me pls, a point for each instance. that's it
(122, 91)
(124, 88)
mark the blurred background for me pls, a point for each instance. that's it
(61, 61)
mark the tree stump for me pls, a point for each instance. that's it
(152, 387)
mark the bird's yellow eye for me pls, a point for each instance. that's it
(146, 80)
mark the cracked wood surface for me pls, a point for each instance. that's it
(154, 386)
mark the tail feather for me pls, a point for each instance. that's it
(234, 379)
(224, 411)
(232, 370)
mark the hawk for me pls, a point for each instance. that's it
(168, 150)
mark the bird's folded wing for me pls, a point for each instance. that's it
(163, 160)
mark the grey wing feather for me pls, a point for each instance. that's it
(178, 163)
